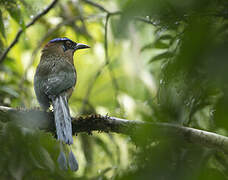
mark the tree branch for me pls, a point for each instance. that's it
(45, 121)
(38, 16)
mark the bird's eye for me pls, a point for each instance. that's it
(68, 43)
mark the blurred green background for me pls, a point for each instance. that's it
(156, 61)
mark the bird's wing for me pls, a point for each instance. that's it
(60, 76)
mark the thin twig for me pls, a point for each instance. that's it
(106, 39)
(45, 11)
(107, 61)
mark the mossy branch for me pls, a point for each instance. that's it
(38, 119)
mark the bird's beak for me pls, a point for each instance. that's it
(80, 46)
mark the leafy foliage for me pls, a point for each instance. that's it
(163, 61)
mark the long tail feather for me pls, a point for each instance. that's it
(73, 162)
(62, 161)
(64, 130)
(62, 119)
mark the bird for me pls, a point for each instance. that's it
(54, 82)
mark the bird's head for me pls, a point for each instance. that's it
(62, 47)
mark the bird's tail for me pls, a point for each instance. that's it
(64, 130)
(62, 119)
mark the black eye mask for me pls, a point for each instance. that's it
(67, 46)
(64, 47)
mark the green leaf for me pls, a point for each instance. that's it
(161, 56)
(9, 91)
(147, 46)
(160, 45)
(166, 37)
(2, 28)
(15, 13)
